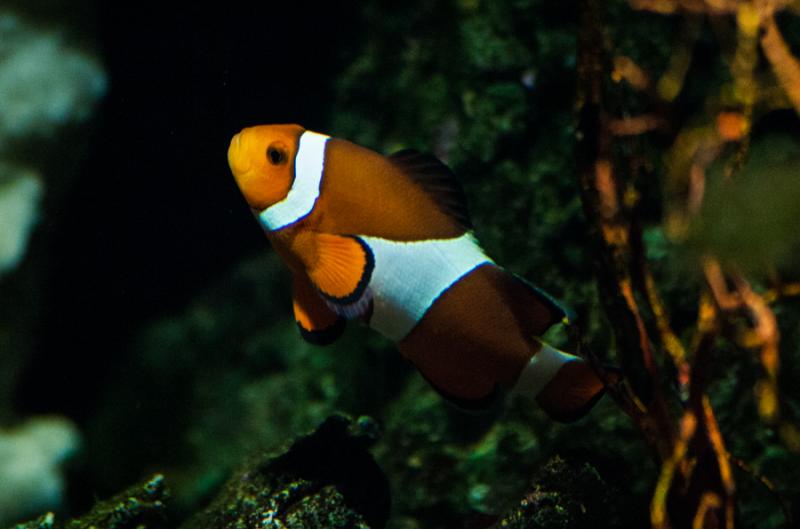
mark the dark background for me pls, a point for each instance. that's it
(154, 214)
(143, 224)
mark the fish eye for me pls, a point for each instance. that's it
(276, 155)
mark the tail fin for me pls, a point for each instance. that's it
(565, 386)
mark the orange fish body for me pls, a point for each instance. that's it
(388, 240)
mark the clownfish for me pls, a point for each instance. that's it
(388, 239)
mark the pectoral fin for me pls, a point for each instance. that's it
(342, 268)
(318, 324)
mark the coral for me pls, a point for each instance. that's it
(138, 507)
(20, 192)
(325, 479)
(43, 82)
(31, 460)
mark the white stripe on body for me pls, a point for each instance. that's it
(540, 370)
(309, 164)
(409, 276)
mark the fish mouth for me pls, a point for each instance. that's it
(237, 156)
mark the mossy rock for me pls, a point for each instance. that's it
(138, 507)
(565, 495)
(325, 479)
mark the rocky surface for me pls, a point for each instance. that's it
(138, 507)
(326, 479)
(564, 494)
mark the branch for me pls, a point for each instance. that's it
(767, 484)
(609, 236)
(784, 64)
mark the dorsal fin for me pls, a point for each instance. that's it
(437, 180)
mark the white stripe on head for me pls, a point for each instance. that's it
(309, 164)
(540, 370)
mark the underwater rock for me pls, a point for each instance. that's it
(325, 479)
(31, 460)
(565, 495)
(139, 507)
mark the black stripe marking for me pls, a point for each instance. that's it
(325, 336)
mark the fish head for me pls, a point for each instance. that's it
(261, 159)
